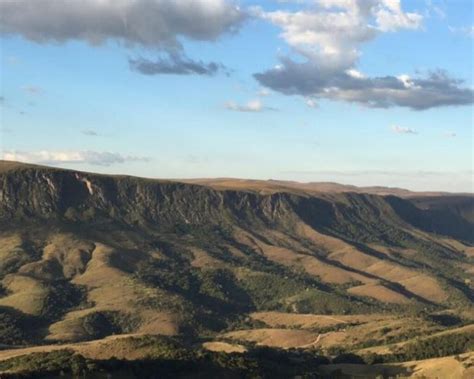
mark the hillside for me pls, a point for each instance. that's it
(86, 256)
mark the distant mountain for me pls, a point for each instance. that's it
(272, 186)
(86, 256)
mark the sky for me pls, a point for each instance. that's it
(363, 92)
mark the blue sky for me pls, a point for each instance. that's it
(271, 106)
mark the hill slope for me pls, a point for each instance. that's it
(86, 256)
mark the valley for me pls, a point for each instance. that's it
(129, 269)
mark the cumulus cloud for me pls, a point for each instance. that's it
(174, 64)
(251, 106)
(403, 130)
(70, 157)
(328, 38)
(331, 33)
(155, 24)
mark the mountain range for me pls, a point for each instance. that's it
(230, 264)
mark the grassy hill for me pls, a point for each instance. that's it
(84, 257)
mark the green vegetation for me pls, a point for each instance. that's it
(178, 358)
(102, 324)
(62, 297)
(11, 328)
(169, 358)
(181, 259)
(433, 347)
(56, 363)
(17, 328)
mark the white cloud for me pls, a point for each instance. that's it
(251, 106)
(406, 80)
(390, 17)
(157, 25)
(153, 23)
(467, 31)
(328, 38)
(403, 130)
(263, 92)
(70, 157)
(437, 10)
(355, 74)
(331, 37)
(311, 103)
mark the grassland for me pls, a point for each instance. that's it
(99, 265)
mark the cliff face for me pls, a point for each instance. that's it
(37, 193)
(47, 194)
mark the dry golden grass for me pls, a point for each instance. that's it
(310, 263)
(377, 331)
(418, 283)
(203, 260)
(70, 328)
(90, 265)
(436, 368)
(379, 292)
(392, 250)
(122, 347)
(443, 368)
(26, 294)
(11, 249)
(283, 338)
(301, 330)
(114, 346)
(111, 289)
(388, 348)
(259, 186)
(13, 165)
(310, 321)
(224, 347)
(314, 188)
(71, 253)
(164, 323)
(361, 267)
